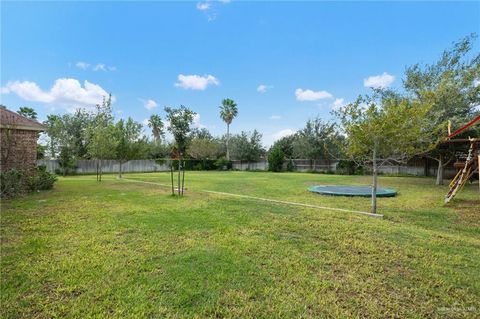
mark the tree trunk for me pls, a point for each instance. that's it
(97, 168)
(228, 138)
(439, 180)
(52, 148)
(171, 175)
(374, 178)
(100, 170)
(120, 170)
(179, 172)
(183, 177)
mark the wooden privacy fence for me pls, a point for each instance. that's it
(416, 167)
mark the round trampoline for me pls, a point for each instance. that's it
(349, 190)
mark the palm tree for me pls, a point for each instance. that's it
(228, 111)
(156, 124)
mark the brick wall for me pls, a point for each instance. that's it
(18, 149)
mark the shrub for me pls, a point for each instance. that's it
(222, 163)
(41, 179)
(275, 159)
(12, 183)
(195, 165)
(345, 167)
(290, 165)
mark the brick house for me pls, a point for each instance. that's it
(18, 141)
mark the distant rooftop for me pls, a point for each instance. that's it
(10, 119)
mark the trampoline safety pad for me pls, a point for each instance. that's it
(349, 190)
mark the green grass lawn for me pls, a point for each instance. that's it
(125, 249)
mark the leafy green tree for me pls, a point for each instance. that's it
(286, 144)
(202, 133)
(228, 111)
(380, 131)
(102, 144)
(450, 85)
(247, 146)
(69, 130)
(41, 149)
(203, 148)
(156, 150)
(180, 120)
(318, 140)
(28, 112)
(276, 157)
(156, 124)
(130, 143)
(66, 160)
(54, 131)
(76, 126)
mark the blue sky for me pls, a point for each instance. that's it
(282, 62)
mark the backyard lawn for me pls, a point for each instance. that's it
(126, 248)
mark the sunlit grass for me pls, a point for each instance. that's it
(125, 249)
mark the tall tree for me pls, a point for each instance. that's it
(71, 131)
(247, 146)
(75, 128)
(66, 160)
(202, 133)
(180, 120)
(318, 140)
(28, 112)
(156, 124)
(130, 143)
(203, 148)
(54, 131)
(451, 86)
(102, 144)
(382, 130)
(228, 111)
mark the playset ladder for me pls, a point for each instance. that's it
(462, 176)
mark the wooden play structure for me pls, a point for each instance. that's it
(466, 169)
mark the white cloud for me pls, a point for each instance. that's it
(309, 95)
(97, 67)
(196, 82)
(210, 8)
(275, 117)
(64, 92)
(149, 104)
(82, 65)
(145, 122)
(202, 6)
(338, 103)
(100, 67)
(379, 81)
(28, 91)
(196, 121)
(476, 82)
(4, 90)
(286, 132)
(262, 88)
